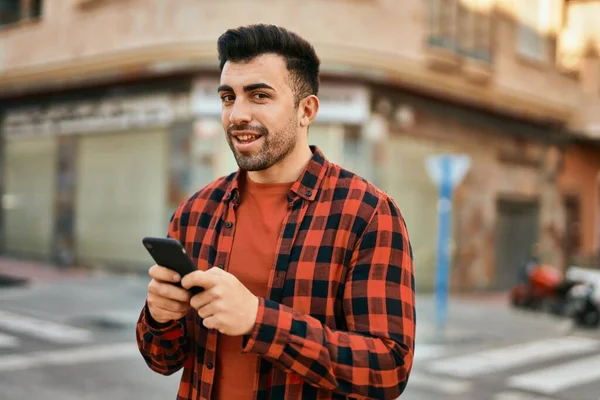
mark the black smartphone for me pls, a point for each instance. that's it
(170, 253)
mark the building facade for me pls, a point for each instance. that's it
(109, 126)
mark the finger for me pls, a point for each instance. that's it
(210, 322)
(163, 274)
(202, 299)
(199, 278)
(169, 291)
(207, 311)
(167, 304)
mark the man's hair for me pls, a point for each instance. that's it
(248, 42)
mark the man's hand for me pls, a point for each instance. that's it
(225, 305)
(166, 301)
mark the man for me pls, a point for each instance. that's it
(307, 269)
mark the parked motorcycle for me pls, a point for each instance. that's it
(543, 287)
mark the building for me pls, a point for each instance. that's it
(113, 121)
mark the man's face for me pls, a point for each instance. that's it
(258, 111)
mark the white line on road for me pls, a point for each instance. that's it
(520, 396)
(503, 359)
(554, 379)
(429, 351)
(8, 341)
(68, 357)
(447, 386)
(48, 330)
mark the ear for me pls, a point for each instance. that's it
(307, 110)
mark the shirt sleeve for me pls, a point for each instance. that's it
(373, 358)
(163, 346)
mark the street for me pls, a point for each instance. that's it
(74, 339)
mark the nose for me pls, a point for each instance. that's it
(240, 113)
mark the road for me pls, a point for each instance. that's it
(75, 339)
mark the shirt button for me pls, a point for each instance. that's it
(228, 224)
(209, 366)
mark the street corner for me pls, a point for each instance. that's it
(18, 273)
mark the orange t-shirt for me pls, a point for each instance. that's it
(259, 218)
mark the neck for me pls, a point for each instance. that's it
(286, 170)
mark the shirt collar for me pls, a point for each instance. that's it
(306, 186)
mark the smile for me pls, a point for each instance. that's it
(246, 138)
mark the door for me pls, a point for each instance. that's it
(30, 176)
(572, 230)
(120, 197)
(516, 236)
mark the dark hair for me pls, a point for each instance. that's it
(247, 42)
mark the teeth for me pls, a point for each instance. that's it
(244, 138)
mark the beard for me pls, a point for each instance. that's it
(275, 145)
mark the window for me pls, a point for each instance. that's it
(10, 11)
(443, 20)
(475, 32)
(462, 26)
(14, 11)
(534, 22)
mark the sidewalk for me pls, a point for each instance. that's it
(22, 271)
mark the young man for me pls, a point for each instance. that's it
(307, 269)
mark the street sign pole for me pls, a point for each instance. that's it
(443, 243)
(446, 171)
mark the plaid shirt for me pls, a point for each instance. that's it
(339, 319)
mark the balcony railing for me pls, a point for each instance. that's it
(460, 29)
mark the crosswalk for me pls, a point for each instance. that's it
(539, 369)
(54, 343)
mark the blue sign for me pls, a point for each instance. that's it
(446, 171)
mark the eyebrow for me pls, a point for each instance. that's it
(247, 88)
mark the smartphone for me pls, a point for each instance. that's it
(170, 253)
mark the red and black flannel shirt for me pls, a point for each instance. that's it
(339, 320)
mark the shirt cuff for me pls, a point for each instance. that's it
(271, 330)
(155, 327)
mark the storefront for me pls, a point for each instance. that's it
(87, 179)
(29, 178)
(580, 188)
(507, 206)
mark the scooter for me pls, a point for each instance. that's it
(543, 287)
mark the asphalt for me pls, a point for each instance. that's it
(90, 352)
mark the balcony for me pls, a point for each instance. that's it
(460, 38)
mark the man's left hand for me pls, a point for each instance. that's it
(225, 304)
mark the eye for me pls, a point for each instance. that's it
(260, 96)
(227, 98)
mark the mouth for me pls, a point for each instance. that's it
(247, 138)
(246, 141)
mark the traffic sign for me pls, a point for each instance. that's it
(447, 171)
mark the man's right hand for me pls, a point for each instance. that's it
(166, 301)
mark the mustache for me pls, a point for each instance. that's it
(260, 130)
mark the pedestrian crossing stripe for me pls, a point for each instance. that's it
(67, 357)
(447, 386)
(554, 379)
(43, 329)
(506, 358)
(7, 341)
